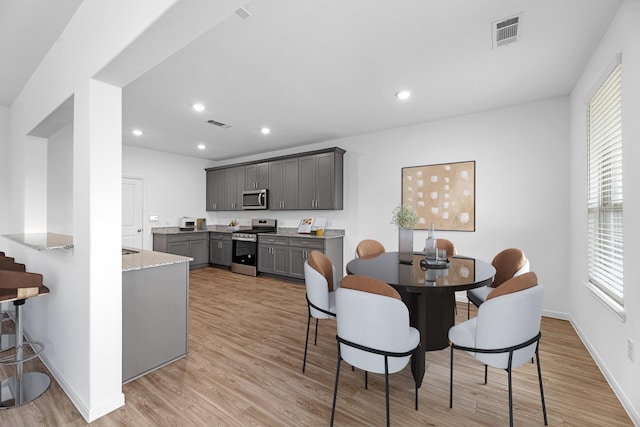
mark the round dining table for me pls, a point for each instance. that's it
(428, 292)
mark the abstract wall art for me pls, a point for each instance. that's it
(442, 195)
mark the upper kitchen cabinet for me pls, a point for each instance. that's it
(215, 190)
(320, 183)
(307, 181)
(234, 186)
(283, 184)
(256, 176)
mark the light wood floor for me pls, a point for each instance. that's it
(244, 368)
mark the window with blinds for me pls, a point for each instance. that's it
(605, 199)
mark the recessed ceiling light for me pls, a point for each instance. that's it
(198, 107)
(265, 131)
(136, 132)
(201, 146)
(403, 95)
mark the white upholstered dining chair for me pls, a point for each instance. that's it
(505, 333)
(320, 282)
(373, 330)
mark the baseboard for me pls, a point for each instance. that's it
(626, 403)
(89, 414)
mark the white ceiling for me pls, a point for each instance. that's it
(314, 71)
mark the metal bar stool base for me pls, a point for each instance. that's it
(33, 384)
(7, 342)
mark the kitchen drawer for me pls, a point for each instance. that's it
(306, 243)
(273, 240)
(220, 236)
(189, 237)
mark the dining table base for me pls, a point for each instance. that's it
(432, 315)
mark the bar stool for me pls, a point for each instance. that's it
(8, 341)
(17, 287)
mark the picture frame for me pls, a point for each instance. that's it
(442, 194)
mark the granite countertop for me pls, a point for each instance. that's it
(284, 232)
(148, 259)
(176, 230)
(42, 241)
(329, 233)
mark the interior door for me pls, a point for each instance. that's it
(132, 212)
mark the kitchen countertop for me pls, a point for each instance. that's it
(149, 259)
(42, 241)
(284, 231)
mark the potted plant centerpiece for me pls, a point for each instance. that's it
(405, 218)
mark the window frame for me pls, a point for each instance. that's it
(605, 200)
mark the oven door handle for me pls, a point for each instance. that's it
(243, 239)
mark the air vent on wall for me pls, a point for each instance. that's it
(219, 124)
(505, 31)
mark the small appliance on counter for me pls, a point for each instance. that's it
(187, 223)
(312, 226)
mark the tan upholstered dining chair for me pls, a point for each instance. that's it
(447, 246)
(508, 263)
(369, 248)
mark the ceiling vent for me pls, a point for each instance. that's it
(505, 32)
(219, 124)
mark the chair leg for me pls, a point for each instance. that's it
(335, 390)
(544, 408)
(468, 310)
(510, 398)
(386, 386)
(306, 343)
(366, 380)
(315, 341)
(451, 380)
(485, 373)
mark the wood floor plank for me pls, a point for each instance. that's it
(244, 367)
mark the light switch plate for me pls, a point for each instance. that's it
(153, 217)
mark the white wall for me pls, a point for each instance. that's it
(59, 183)
(603, 332)
(174, 186)
(5, 176)
(522, 187)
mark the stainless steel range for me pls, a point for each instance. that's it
(244, 258)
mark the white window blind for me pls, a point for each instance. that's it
(605, 201)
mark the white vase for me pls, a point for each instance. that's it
(405, 245)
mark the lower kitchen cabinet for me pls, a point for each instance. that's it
(285, 256)
(155, 318)
(194, 245)
(300, 247)
(220, 248)
(273, 255)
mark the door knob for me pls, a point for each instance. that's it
(139, 230)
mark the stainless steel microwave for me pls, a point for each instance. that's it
(254, 199)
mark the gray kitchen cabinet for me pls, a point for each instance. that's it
(273, 255)
(155, 318)
(194, 245)
(216, 190)
(283, 184)
(300, 247)
(306, 181)
(220, 248)
(256, 176)
(234, 186)
(320, 181)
